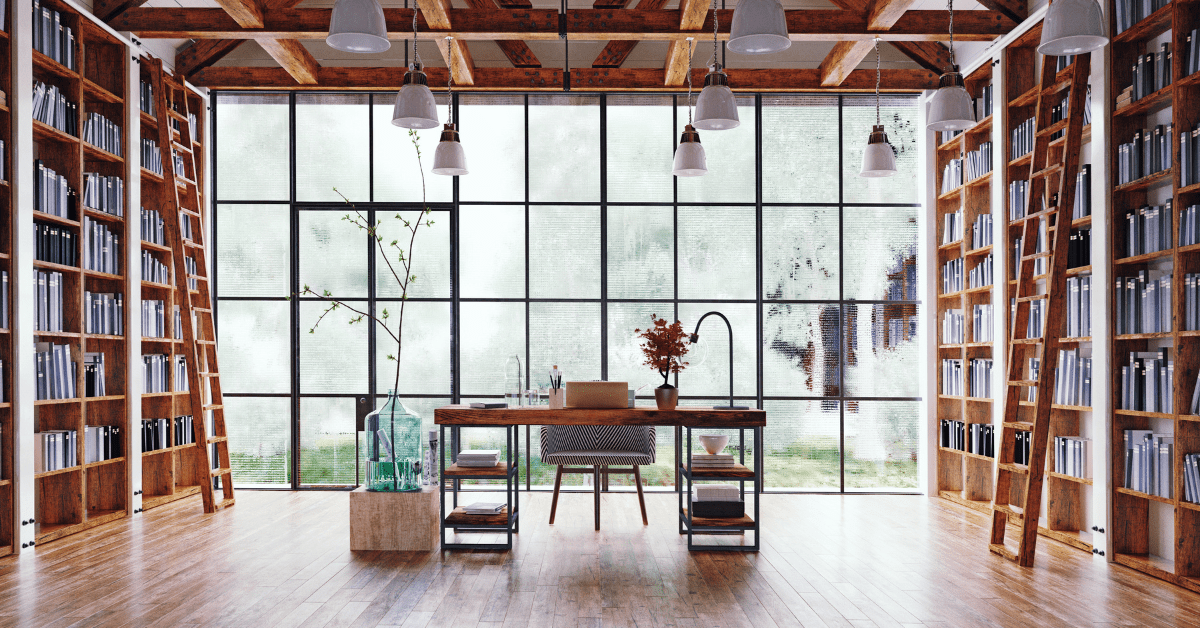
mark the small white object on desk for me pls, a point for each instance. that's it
(715, 493)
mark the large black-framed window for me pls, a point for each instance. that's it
(566, 236)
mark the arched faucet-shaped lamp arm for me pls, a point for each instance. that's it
(695, 337)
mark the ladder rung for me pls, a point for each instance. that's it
(1053, 128)
(202, 309)
(999, 548)
(1036, 297)
(206, 342)
(1009, 510)
(1027, 341)
(1048, 211)
(190, 212)
(215, 406)
(181, 147)
(217, 439)
(1013, 467)
(200, 277)
(208, 374)
(219, 472)
(1023, 426)
(1037, 256)
(1022, 382)
(1048, 170)
(192, 244)
(225, 503)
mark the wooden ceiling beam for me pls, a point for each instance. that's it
(1015, 10)
(108, 9)
(517, 51)
(929, 54)
(454, 53)
(203, 54)
(291, 55)
(247, 13)
(541, 24)
(693, 14)
(616, 52)
(846, 55)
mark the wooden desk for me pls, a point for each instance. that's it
(645, 415)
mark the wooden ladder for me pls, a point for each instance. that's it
(1060, 179)
(200, 346)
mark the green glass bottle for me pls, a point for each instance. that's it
(394, 447)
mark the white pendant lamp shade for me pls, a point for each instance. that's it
(358, 26)
(1072, 27)
(879, 159)
(449, 158)
(689, 156)
(716, 108)
(951, 108)
(415, 108)
(759, 28)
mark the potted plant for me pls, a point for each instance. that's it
(664, 347)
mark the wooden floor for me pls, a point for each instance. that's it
(281, 559)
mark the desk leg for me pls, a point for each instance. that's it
(442, 487)
(678, 478)
(758, 474)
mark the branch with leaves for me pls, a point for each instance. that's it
(664, 346)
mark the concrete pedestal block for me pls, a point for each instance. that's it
(403, 522)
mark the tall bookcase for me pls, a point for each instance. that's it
(1151, 533)
(7, 216)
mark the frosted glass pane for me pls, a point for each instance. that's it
(730, 157)
(899, 116)
(641, 253)
(882, 351)
(641, 147)
(625, 360)
(800, 149)
(333, 254)
(493, 136)
(255, 256)
(566, 334)
(491, 251)
(396, 179)
(253, 346)
(716, 252)
(801, 350)
(430, 254)
(327, 441)
(564, 148)
(801, 445)
(564, 252)
(425, 356)
(333, 358)
(260, 440)
(708, 360)
(882, 444)
(800, 253)
(332, 139)
(255, 159)
(882, 265)
(490, 333)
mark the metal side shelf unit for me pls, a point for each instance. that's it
(739, 473)
(507, 521)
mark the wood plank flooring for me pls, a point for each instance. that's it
(282, 559)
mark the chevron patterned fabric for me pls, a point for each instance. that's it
(598, 444)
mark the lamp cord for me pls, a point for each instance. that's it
(712, 62)
(450, 81)
(950, 7)
(689, 80)
(416, 57)
(877, 74)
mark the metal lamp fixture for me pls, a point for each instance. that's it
(951, 108)
(695, 337)
(358, 26)
(716, 108)
(759, 27)
(415, 108)
(879, 158)
(1072, 27)
(449, 158)
(689, 155)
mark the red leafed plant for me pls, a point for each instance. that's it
(663, 346)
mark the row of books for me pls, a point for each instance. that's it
(983, 102)
(1018, 202)
(981, 274)
(48, 306)
(1191, 302)
(101, 442)
(982, 321)
(185, 226)
(1037, 317)
(978, 162)
(56, 372)
(191, 121)
(102, 133)
(151, 156)
(952, 175)
(952, 276)
(189, 266)
(146, 98)
(1148, 382)
(1073, 379)
(1021, 138)
(982, 441)
(177, 161)
(181, 374)
(952, 327)
(979, 378)
(155, 371)
(51, 107)
(154, 270)
(51, 35)
(93, 375)
(104, 313)
(952, 227)
(54, 450)
(178, 318)
(156, 432)
(3, 301)
(952, 377)
(1079, 310)
(1079, 248)
(1191, 478)
(1151, 72)
(1130, 12)
(104, 193)
(154, 323)
(1149, 462)
(1143, 303)
(101, 248)
(1023, 443)
(1083, 193)
(953, 434)
(1189, 156)
(54, 243)
(1073, 456)
(1060, 111)
(946, 136)
(185, 430)
(1148, 229)
(1147, 153)
(1041, 265)
(1190, 55)
(152, 227)
(51, 192)
(982, 233)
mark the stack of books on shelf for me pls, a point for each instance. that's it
(717, 501)
(478, 458)
(953, 434)
(102, 133)
(154, 434)
(1083, 193)
(981, 231)
(983, 103)
(101, 442)
(1189, 156)
(979, 161)
(48, 304)
(952, 227)
(1021, 139)
(1079, 311)
(101, 247)
(56, 372)
(1079, 248)
(1130, 12)
(712, 461)
(1152, 72)
(1148, 382)
(51, 35)
(151, 157)
(1017, 202)
(154, 324)
(1125, 98)
(946, 136)
(1191, 300)
(104, 313)
(1147, 153)
(952, 377)
(952, 327)
(1024, 441)
(181, 374)
(981, 273)
(93, 375)
(53, 243)
(952, 276)
(54, 450)
(51, 193)
(1040, 264)
(1143, 303)
(1073, 379)
(185, 226)
(180, 171)
(1073, 456)
(981, 378)
(982, 321)
(952, 175)
(155, 367)
(152, 227)
(50, 106)
(1148, 462)
(982, 440)
(1059, 111)
(484, 508)
(185, 430)
(146, 98)
(106, 194)
(154, 270)
(189, 266)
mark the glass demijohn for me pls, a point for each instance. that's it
(394, 447)
(358, 26)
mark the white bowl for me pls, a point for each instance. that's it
(714, 443)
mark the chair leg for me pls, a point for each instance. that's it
(596, 485)
(637, 479)
(554, 501)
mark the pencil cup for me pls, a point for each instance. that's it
(558, 398)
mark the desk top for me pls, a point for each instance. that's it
(645, 415)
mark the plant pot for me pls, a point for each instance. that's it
(666, 398)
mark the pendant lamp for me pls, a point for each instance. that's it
(415, 108)
(879, 158)
(951, 108)
(358, 26)
(689, 155)
(449, 158)
(759, 27)
(716, 109)
(1072, 27)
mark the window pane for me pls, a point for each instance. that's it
(491, 251)
(255, 245)
(255, 159)
(425, 357)
(260, 440)
(800, 149)
(800, 253)
(332, 147)
(802, 448)
(882, 351)
(493, 135)
(333, 254)
(564, 148)
(730, 157)
(882, 264)
(327, 441)
(625, 359)
(564, 252)
(899, 116)
(882, 444)
(707, 372)
(801, 350)
(396, 179)
(491, 332)
(641, 253)
(254, 346)
(566, 334)
(333, 357)
(716, 252)
(430, 254)
(641, 147)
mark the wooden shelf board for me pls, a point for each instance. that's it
(5, 482)
(499, 471)
(951, 143)
(44, 217)
(161, 340)
(1149, 27)
(1158, 178)
(181, 492)
(155, 284)
(92, 465)
(103, 337)
(153, 176)
(1152, 336)
(62, 268)
(981, 457)
(951, 295)
(1188, 189)
(44, 132)
(1189, 505)
(1145, 257)
(957, 498)
(980, 180)
(94, 152)
(104, 398)
(1063, 406)
(148, 120)
(736, 471)
(1147, 105)
(979, 400)
(5, 550)
(1146, 562)
(980, 126)
(95, 274)
(95, 90)
(1078, 539)
(1190, 248)
(978, 345)
(44, 62)
(57, 334)
(161, 394)
(983, 250)
(1191, 79)
(46, 474)
(950, 450)
(1151, 415)
(1069, 478)
(1079, 270)
(950, 194)
(1082, 222)
(1075, 340)
(99, 215)
(744, 521)
(1028, 98)
(979, 290)
(459, 517)
(1156, 498)
(952, 397)
(155, 247)
(950, 245)
(1085, 137)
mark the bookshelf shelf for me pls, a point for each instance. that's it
(102, 463)
(1158, 178)
(1146, 257)
(94, 153)
(43, 132)
(1128, 491)
(155, 247)
(1146, 105)
(153, 176)
(103, 216)
(1069, 478)
(44, 62)
(951, 246)
(44, 217)
(1148, 28)
(48, 474)
(1079, 270)
(95, 91)
(951, 194)
(983, 127)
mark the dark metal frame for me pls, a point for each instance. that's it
(686, 525)
(512, 492)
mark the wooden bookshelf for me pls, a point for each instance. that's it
(8, 528)
(1147, 529)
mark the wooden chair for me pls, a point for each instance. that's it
(599, 450)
